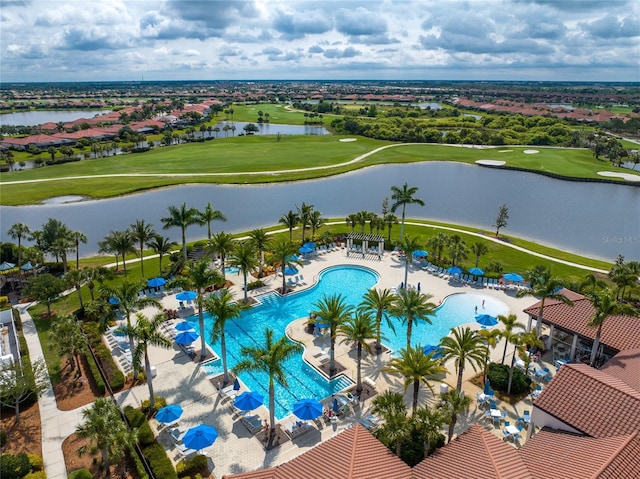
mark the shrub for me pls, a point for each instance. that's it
(37, 464)
(135, 417)
(160, 464)
(255, 285)
(114, 375)
(138, 420)
(499, 376)
(4, 302)
(196, 464)
(36, 475)
(14, 467)
(81, 474)
(160, 403)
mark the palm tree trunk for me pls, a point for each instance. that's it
(245, 285)
(272, 414)
(79, 296)
(359, 371)
(406, 270)
(203, 344)
(416, 391)
(504, 354)
(539, 319)
(409, 327)
(459, 385)
(147, 370)
(332, 354)
(452, 425)
(595, 347)
(184, 244)
(105, 461)
(402, 225)
(223, 351)
(513, 363)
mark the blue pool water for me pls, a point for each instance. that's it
(231, 270)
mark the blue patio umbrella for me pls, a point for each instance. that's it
(516, 278)
(293, 257)
(184, 326)
(309, 244)
(289, 270)
(248, 401)
(156, 282)
(187, 337)
(335, 406)
(304, 250)
(476, 271)
(236, 385)
(307, 409)
(6, 266)
(169, 414)
(454, 270)
(200, 437)
(487, 388)
(27, 266)
(420, 253)
(486, 320)
(186, 296)
(114, 301)
(436, 352)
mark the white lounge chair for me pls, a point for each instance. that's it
(301, 280)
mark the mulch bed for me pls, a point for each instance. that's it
(325, 368)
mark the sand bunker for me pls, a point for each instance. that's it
(347, 140)
(624, 176)
(530, 152)
(490, 162)
(505, 151)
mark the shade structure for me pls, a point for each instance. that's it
(200, 437)
(187, 337)
(436, 352)
(248, 401)
(184, 326)
(304, 250)
(309, 244)
(420, 253)
(487, 388)
(156, 282)
(307, 409)
(27, 266)
(114, 301)
(186, 296)
(6, 266)
(289, 270)
(515, 277)
(486, 320)
(236, 385)
(476, 271)
(454, 270)
(169, 414)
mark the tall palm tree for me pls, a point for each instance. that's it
(395, 429)
(222, 244)
(437, 243)
(544, 286)
(75, 278)
(478, 249)
(412, 306)
(260, 241)
(269, 359)
(389, 219)
(334, 311)
(453, 403)
(146, 332)
(161, 245)
(380, 302)
(142, 232)
(243, 257)
(304, 216)
(67, 335)
(403, 196)
(416, 368)
(99, 274)
(61, 246)
(361, 218)
(428, 422)
(510, 323)
(352, 221)
(358, 328)
(605, 305)
(19, 231)
(206, 216)
(490, 337)
(222, 308)
(457, 249)
(464, 346)
(122, 242)
(593, 282)
(283, 254)
(410, 245)
(104, 427)
(182, 218)
(290, 220)
(315, 222)
(198, 277)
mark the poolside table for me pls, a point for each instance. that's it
(511, 429)
(496, 413)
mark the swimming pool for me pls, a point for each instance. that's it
(231, 270)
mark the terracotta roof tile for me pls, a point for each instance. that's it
(581, 456)
(618, 332)
(487, 457)
(625, 366)
(591, 401)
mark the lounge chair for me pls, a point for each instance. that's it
(184, 451)
(177, 434)
(301, 280)
(291, 283)
(253, 423)
(228, 392)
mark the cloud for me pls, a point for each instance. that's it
(348, 52)
(611, 26)
(297, 25)
(360, 22)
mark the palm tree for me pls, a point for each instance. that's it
(206, 216)
(605, 305)
(75, 277)
(465, 346)
(452, 404)
(457, 249)
(510, 323)
(99, 274)
(479, 249)
(428, 422)
(19, 231)
(244, 258)
(304, 216)
(361, 218)
(352, 221)
(358, 328)
(260, 241)
(182, 218)
(410, 245)
(161, 245)
(198, 276)
(315, 222)
(390, 219)
(222, 308)
(437, 243)
(412, 306)
(490, 337)
(380, 302)
(67, 335)
(269, 359)
(78, 237)
(283, 254)
(403, 196)
(290, 220)
(544, 286)
(142, 232)
(395, 429)
(146, 332)
(592, 281)
(334, 311)
(122, 242)
(222, 244)
(61, 246)
(104, 427)
(416, 368)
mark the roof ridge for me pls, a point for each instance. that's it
(619, 449)
(606, 379)
(354, 447)
(489, 451)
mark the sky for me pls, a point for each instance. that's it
(132, 40)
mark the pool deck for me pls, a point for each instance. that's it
(182, 381)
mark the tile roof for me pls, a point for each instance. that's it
(591, 401)
(619, 332)
(553, 453)
(625, 366)
(486, 456)
(352, 454)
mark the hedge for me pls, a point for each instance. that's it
(160, 464)
(97, 377)
(138, 420)
(114, 375)
(194, 465)
(499, 377)
(81, 474)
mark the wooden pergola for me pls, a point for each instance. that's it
(366, 239)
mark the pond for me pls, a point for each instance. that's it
(38, 117)
(595, 219)
(272, 129)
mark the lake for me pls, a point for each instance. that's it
(594, 219)
(38, 117)
(272, 129)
